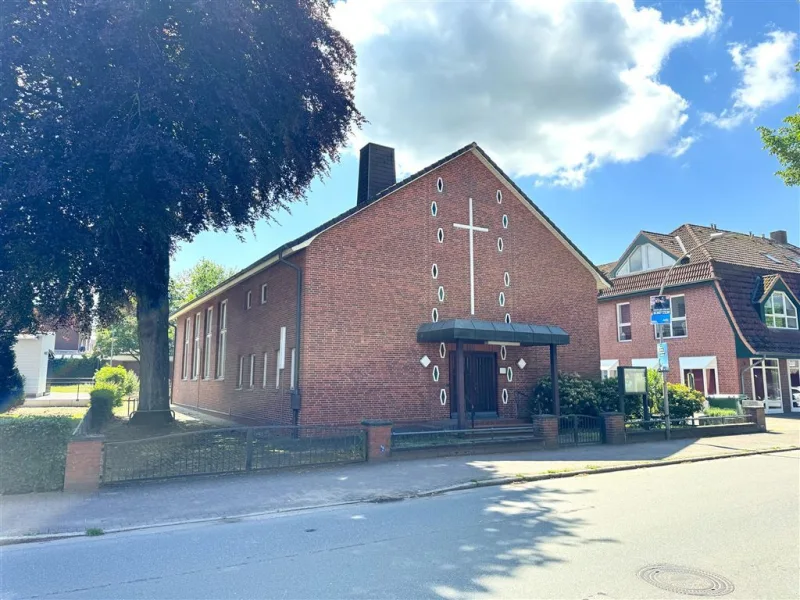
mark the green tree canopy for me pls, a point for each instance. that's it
(784, 144)
(187, 285)
(128, 126)
(122, 337)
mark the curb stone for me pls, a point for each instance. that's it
(386, 498)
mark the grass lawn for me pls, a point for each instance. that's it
(75, 412)
(85, 388)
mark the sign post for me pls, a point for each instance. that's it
(660, 314)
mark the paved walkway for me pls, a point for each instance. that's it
(154, 503)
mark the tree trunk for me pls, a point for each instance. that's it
(152, 313)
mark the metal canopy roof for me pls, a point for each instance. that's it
(477, 332)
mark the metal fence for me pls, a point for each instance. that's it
(580, 429)
(655, 424)
(231, 450)
(413, 440)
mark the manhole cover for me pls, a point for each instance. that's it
(685, 580)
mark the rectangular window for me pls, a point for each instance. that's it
(197, 347)
(241, 373)
(249, 301)
(222, 339)
(187, 336)
(677, 325)
(277, 369)
(207, 349)
(293, 372)
(252, 370)
(624, 333)
(767, 383)
(264, 293)
(264, 378)
(794, 383)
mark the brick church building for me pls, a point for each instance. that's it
(433, 298)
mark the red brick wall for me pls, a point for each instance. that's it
(709, 334)
(253, 331)
(369, 286)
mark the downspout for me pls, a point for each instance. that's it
(295, 393)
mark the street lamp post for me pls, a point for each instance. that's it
(712, 237)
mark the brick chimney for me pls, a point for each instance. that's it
(375, 171)
(779, 236)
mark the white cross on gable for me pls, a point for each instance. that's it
(472, 229)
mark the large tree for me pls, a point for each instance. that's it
(128, 126)
(784, 144)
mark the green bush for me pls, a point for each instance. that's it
(12, 384)
(683, 401)
(124, 382)
(713, 411)
(33, 453)
(102, 400)
(729, 403)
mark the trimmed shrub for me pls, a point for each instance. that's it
(33, 453)
(124, 382)
(684, 401)
(713, 411)
(102, 400)
(578, 396)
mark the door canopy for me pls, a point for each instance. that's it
(473, 331)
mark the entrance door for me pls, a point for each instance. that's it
(480, 382)
(767, 384)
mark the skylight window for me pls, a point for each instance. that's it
(774, 259)
(795, 259)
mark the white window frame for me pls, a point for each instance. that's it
(292, 379)
(674, 319)
(763, 367)
(222, 339)
(277, 369)
(209, 335)
(264, 378)
(240, 379)
(187, 336)
(252, 370)
(249, 299)
(197, 347)
(620, 324)
(786, 302)
(263, 293)
(794, 391)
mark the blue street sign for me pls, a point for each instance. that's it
(663, 357)
(659, 310)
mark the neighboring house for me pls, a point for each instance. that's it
(734, 304)
(453, 256)
(32, 352)
(72, 343)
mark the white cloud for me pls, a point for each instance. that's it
(550, 89)
(681, 146)
(766, 71)
(709, 77)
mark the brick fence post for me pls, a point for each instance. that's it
(546, 427)
(379, 439)
(613, 428)
(757, 412)
(84, 464)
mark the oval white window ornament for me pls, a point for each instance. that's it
(435, 315)
(506, 279)
(443, 396)
(502, 299)
(502, 352)
(442, 350)
(499, 196)
(440, 235)
(439, 185)
(508, 318)
(509, 374)
(434, 271)
(505, 221)
(504, 395)
(499, 244)
(435, 373)
(434, 208)
(440, 293)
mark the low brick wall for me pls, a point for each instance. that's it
(467, 449)
(84, 464)
(632, 437)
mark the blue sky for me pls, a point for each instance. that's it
(675, 143)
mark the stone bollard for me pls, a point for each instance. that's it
(613, 428)
(84, 464)
(757, 412)
(379, 439)
(546, 427)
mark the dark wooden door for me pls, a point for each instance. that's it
(480, 382)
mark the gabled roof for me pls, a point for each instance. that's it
(304, 240)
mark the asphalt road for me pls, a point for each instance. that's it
(583, 537)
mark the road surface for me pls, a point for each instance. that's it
(584, 537)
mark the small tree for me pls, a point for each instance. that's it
(784, 144)
(120, 338)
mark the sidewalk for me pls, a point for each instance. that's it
(154, 503)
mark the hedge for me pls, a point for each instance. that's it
(33, 453)
(73, 368)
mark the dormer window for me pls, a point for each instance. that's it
(780, 312)
(644, 258)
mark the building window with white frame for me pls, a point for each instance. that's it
(207, 349)
(249, 300)
(677, 321)
(780, 312)
(293, 373)
(624, 331)
(263, 293)
(264, 377)
(187, 336)
(793, 366)
(277, 369)
(222, 338)
(766, 380)
(252, 370)
(197, 347)
(241, 373)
